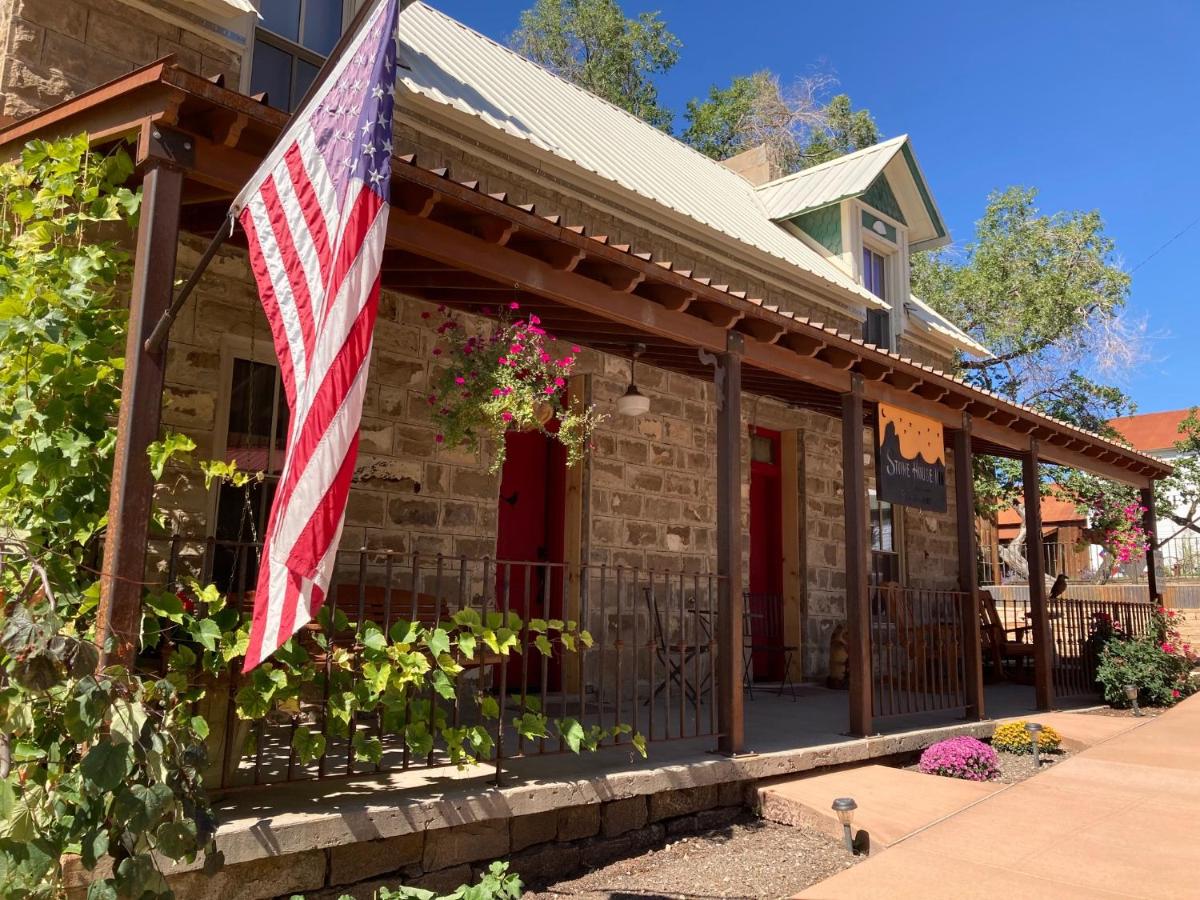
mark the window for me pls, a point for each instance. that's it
(291, 42)
(878, 328)
(885, 543)
(256, 431)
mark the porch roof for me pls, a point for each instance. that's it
(450, 242)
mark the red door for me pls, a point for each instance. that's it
(766, 553)
(529, 535)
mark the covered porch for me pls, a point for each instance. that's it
(669, 657)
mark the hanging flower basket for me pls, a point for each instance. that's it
(508, 378)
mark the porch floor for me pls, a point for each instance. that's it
(784, 736)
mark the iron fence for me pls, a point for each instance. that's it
(1080, 629)
(650, 665)
(916, 650)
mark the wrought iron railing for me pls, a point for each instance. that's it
(1080, 629)
(650, 665)
(916, 650)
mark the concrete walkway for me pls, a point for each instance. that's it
(1121, 819)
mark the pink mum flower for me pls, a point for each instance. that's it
(506, 416)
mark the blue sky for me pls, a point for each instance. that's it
(1097, 104)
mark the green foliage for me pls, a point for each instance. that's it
(92, 764)
(798, 127)
(593, 44)
(1158, 664)
(61, 339)
(1177, 497)
(495, 884)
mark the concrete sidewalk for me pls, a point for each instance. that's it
(1121, 819)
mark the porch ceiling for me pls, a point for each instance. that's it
(451, 243)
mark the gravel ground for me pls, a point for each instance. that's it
(749, 859)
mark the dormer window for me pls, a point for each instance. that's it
(877, 329)
(290, 44)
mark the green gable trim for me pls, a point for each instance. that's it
(824, 226)
(880, 196)
(925, 198)
(868, 223)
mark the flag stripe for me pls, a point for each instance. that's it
(316, 219)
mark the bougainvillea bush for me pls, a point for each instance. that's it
(510, 377)
(1158, 664)
(1013, 738)
(961, 757)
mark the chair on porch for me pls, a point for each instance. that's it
(767, 611)
(1002, 643)
(922, 634)
(676, 656)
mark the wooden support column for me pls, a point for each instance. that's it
(728, 380)
(1043, 649)
(793, 559)
(1150, 526)
(137, 425)
(968, 569)
(858, 601)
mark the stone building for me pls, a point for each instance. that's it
(767, 319)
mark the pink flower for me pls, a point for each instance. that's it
(496, 392)
(1175, 693)
(534, 320)
(514, 305)
(515, 348)
(503, 360)
(439, 438)
(575, 348)
(437, 351)
(1167, 647)
(432, 399)
(550, 389)
(559, 382)
(506, 416)
(460, 380)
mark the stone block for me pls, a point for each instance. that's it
(669, 804)
(64, 17)
(641, 534)
(270, 876)
(575, 823)
(413, 511)
(366, 859)
(458, 515)
(364, 509)
(546, 863)
(117, 38)
(443, 881)
(618, 817)
(446, 847)
(539, 828)
(732, 793)
(474, 483)
(709, 819)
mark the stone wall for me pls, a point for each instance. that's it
(55, 49)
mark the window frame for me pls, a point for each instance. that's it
(295, 49)
(896, 269)
(235, 348)
(874, 513)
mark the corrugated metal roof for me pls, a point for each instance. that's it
(932, 320)
(451, 64)
(846, 176)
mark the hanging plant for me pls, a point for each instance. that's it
(506, 379)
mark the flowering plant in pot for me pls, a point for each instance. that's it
(510, 377)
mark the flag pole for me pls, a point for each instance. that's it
(163, 327)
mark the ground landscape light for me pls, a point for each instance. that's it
(1035, 732)
(1131, 694)
(845, 807)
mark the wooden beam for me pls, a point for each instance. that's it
(838, 358)
(720, 315)
(802, 344)
(968, 569)
(131, 495)
(1043, 655)
(858, 601)
(730, 719)
(762, 330)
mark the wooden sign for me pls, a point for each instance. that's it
(911, 463)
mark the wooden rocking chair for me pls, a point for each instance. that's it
(1004, 644)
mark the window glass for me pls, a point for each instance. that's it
(305, 73)
(322, 25)
(272, 73)
(282, 17)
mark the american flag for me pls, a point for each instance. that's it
(315, 216)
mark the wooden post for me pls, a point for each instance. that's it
(792, 535)
(728, 380)
(579, 390)
(858, 601)
(123, 570)
(968, 569)
(1043, 648)
(1150, 526)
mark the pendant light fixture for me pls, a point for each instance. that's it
(633, 402)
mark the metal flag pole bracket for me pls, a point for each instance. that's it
(163, 328)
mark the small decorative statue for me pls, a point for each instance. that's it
(839, 656)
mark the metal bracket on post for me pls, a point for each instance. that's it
(711, 359)
(167, 145)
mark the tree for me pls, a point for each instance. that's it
(796, 125)
(593, 44)
(1044, 294)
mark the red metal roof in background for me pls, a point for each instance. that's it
(1151, 431)
(1054, 511)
